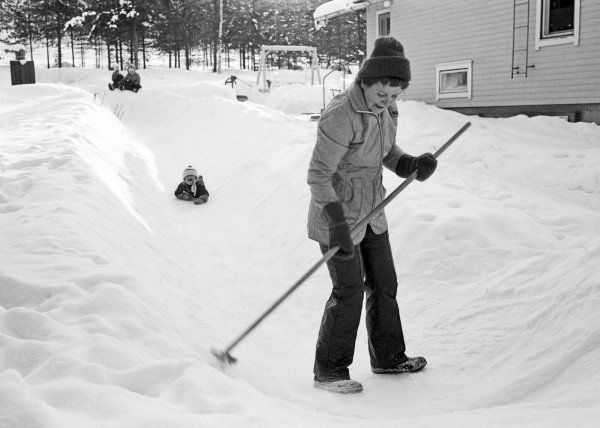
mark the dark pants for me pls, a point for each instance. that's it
(371, 271)
(130, 86)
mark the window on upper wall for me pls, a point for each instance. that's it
(453, 80)
(557, 22)
(383, 23)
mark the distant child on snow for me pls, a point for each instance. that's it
(116, 79)
(131, 81)
(192, 187)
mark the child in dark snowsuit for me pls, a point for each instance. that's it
(192, 187)
(116, 79)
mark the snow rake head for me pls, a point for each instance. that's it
(224, 357)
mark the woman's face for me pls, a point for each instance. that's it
(378, 96)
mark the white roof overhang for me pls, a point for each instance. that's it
(334, 8)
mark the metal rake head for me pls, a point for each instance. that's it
(224, 357)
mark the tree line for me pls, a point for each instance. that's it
(185, 31)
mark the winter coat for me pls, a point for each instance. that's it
(353, 144)
(117, 76)
(131, 79)
(187, 188)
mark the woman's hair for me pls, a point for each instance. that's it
(392, 81)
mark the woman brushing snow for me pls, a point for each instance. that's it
(356, 137)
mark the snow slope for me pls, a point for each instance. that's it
(112, 292)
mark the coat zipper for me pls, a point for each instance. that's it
(382, 146)
(380, 172)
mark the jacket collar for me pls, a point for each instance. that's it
(357, 99)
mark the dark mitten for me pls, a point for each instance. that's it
(406, 165)
(426, 164)
(339, 232)
(200, 200)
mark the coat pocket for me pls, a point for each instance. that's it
(352, 200)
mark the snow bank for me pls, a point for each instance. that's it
(91, 331)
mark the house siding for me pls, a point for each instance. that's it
(434, 32)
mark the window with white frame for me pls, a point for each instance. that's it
(453, 80)
(557, 22)
(383, 23)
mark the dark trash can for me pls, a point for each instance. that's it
(22, 71)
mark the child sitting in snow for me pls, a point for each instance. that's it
(131, 81)
(192, 187)
(116, 78)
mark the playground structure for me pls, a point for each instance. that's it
(232, 81)
(266, 50)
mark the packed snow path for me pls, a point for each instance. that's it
(112, 292)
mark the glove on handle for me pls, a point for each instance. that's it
(339, 232)
(426, 165)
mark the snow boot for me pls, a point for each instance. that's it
(110, 86)
(344, 386)
(409, 366)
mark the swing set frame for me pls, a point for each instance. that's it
(267, 49)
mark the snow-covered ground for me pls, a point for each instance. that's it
(112, 292)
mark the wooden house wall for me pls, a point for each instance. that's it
(435, 32)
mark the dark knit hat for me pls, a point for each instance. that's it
(387, 60)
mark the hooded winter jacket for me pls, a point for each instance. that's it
(353, 144)
(131, 79)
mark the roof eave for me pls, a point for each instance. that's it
(336, 8)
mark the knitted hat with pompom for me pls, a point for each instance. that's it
(190, 171)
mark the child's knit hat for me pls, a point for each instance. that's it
(190, 171)
(387, 60)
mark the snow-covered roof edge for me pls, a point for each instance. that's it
(334, 8)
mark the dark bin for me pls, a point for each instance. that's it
(21, 71)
